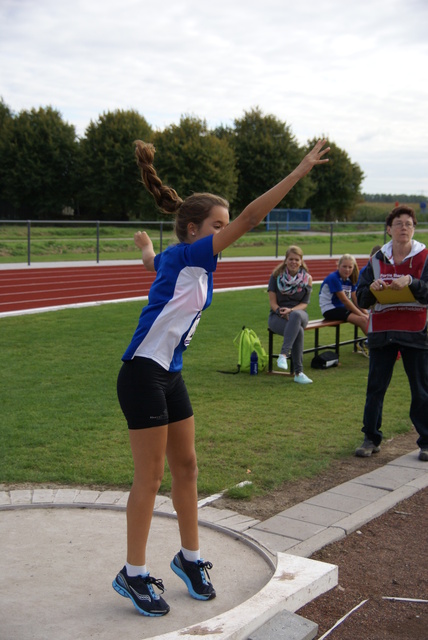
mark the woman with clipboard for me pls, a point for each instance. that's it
(395, 288)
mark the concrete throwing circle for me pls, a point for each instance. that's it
(57, 566)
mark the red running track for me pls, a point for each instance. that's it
(38, 288)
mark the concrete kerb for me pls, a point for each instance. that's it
(330, 516)
(286, 625)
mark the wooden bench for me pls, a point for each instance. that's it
(316, 325)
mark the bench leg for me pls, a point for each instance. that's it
(317, 340)
(355, 337)
(271, 356)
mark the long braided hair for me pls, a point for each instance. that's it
(196, 208)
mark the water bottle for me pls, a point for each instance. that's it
(254, 364)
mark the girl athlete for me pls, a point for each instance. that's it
(151, 390)
(337, 296)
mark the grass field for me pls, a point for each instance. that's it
(60, 421)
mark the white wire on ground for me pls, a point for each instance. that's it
(216, 496)
(404, 599)
(327, 633)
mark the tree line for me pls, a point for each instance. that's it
(47, 171)
(390, 197)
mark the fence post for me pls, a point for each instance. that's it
(160, 237)
(331, 240)
(98, 241)
(29, 242)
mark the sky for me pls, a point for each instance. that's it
(353, 71)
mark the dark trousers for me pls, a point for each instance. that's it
(381, 366)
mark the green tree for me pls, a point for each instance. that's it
(38, 153)
(5, 114)
(111, 184)
(337, 185)
(191, 159)
(266, 151)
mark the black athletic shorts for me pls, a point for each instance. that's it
(339, 313)
(150, 396)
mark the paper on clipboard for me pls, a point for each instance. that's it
(392, 296)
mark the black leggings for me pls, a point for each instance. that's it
(150, 396)
(338, 313)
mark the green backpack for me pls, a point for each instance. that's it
(248, 341)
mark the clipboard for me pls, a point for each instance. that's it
(392, 296)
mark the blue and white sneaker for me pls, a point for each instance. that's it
(282, 362)
(301, 378)
(193, 574)
(141, 593)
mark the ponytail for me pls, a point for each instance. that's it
(165, 197)
(194, 209)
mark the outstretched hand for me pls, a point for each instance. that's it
(142, 240)
(258, 209)
(314, 157)
(144, 243)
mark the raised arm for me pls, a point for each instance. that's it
(258, 209)
(144, 243)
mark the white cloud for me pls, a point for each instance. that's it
(354, 71)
